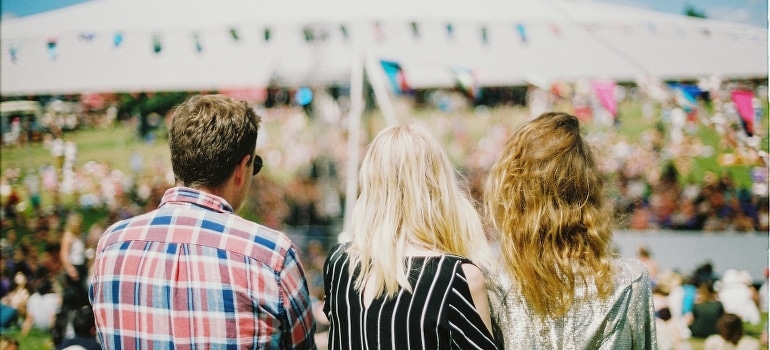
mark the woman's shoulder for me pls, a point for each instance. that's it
(627, 270)
(337, 252)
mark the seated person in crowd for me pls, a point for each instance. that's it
(85, 331)
(730, 328)
(41, 308)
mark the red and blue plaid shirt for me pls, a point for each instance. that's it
(193, 275)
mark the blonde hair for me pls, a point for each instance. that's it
(409, 193)
(544, 197)
(74, 223)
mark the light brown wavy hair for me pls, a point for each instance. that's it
(544, 198)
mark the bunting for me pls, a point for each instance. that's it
(157, 46)
(13, 51)
(52, 50)
(234, 34)
(484, 35)
(418, 30)
(415, 30)
(522, 32)
(198, 45)
(87, 36)
(117, 39)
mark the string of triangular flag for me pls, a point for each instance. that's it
(319, 33)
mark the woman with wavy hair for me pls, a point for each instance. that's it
(411, 278)
(560, 284)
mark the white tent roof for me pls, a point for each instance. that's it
(563, 40)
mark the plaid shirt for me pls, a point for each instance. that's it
(193, 275)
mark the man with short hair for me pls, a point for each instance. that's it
(192, 273)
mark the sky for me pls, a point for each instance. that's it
(751, 12)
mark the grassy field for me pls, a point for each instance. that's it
(112, 145)
(38, 340)
(115, 145)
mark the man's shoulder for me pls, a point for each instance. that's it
(223, 231)
(263, 238)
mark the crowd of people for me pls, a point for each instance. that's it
(709, 307)
(47, 251)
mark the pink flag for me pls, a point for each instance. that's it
(743, 103)
(605, 90)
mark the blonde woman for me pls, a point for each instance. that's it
(559, 284)
(411, 278)
(74, 264)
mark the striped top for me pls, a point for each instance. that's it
(193, 275)
(439, 314)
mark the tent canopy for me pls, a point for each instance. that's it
(185, 45)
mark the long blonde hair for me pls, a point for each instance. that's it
(544, 198)
(409, 193)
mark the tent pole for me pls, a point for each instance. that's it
(380, 92)
(354, 135)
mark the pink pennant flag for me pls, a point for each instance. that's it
(743, 103)
(605, 90)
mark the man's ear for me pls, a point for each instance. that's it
(242, 171)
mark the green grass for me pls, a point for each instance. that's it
(35, 340)
(115, 145)
(108, 145)
(38, 340)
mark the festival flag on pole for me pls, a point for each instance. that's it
(685, 96)
(743, 100)
(605, 90)
(466, 81)
(396, 76)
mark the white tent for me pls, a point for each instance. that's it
(110, 45)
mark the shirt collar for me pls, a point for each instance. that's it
(188, 195)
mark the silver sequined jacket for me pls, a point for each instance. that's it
(626, 320)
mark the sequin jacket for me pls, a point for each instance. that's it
(625, 320)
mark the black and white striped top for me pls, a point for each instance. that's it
(439, 314)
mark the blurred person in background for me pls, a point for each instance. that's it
(41, 308)
(730, 335)
(8, 343)
(85, 331)
(73, 262)
(13, 306)
(705, 311)
(738, 296)
(412, 276)
(560, 285)
(228, 282)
